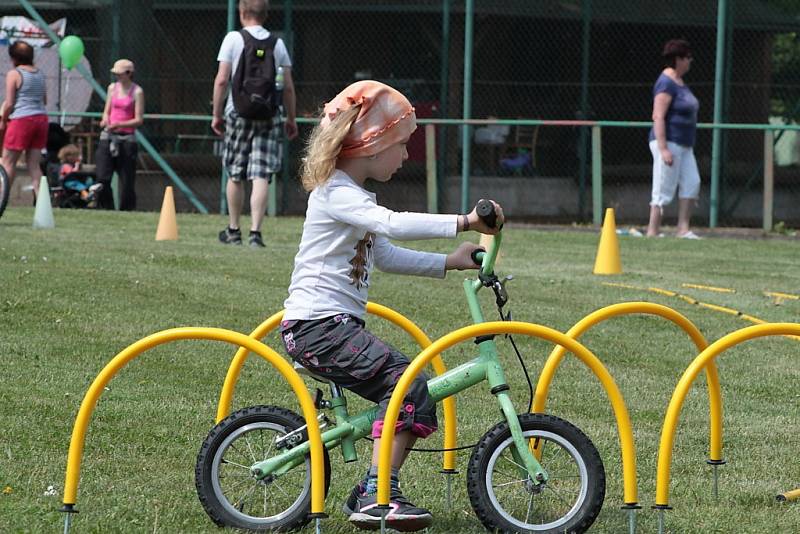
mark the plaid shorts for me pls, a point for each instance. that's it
(340, 349)
(253, 148)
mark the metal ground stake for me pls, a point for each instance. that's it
(715, 464)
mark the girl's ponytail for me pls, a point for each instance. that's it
(323, 148)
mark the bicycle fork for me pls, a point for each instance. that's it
(524, 452)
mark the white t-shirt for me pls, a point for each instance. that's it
(231, 50)
(345, 234)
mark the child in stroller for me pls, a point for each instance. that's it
(76, 189)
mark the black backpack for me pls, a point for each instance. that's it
(253, 84)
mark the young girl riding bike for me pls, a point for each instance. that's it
(363, 134)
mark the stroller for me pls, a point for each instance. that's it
(76, 189)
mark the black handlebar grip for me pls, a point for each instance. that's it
(477, 256)
(485, 210)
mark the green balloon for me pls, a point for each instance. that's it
(71, 50)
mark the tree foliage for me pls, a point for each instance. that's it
(785, 98)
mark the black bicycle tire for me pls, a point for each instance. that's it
(481, 502)
(203, 469)
(5, 189)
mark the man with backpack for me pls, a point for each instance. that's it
(259, 69)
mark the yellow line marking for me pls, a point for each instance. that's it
(714, 307)
(710, 288)
(752, 319)
(626, 286)
(662, 291)
(722, 309)
(781, 295)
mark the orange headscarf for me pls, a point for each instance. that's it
(386, 118)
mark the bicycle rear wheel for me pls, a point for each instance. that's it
(5, 189)
(229, 493)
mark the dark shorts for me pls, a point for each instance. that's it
(340, 349)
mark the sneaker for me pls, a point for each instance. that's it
(230, 237)
(255, 240)
(402, 514)
(350, 504)
(688, 235)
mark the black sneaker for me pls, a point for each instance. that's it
(255, 240)
(230, 237)
(350, 504)
(402, 514)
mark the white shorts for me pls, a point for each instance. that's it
(682, 175)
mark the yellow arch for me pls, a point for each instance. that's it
(626, 308)
(217, 334)
(509, 327)
(235, 368)
(682, 389)
(448, 404)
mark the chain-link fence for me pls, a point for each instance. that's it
(553, 60)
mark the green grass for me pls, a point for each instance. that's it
(73, 297)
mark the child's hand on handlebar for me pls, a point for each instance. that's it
(461, 258)
(479, 225)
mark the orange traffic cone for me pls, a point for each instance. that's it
(167, 224)
(608, 261)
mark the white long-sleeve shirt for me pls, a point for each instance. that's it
(345, 234)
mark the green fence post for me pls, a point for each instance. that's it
(223, 176)
(719, 72)
(115, 9)
(288, 39)
(444, 88)
(465, 134)
(769, 179)
(597, 176)
(430, 168)
(583, 136)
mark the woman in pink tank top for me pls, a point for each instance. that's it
(117, 150)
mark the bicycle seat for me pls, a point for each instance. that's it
(303, 371)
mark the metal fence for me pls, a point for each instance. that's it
(545, 60)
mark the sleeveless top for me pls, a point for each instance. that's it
(30, 95)
(123, 107)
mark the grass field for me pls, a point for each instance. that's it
(71, 298)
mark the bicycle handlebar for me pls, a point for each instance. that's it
(485, 210)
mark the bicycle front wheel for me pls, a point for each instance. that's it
(5, 189)
(229, 493)
(505, 498)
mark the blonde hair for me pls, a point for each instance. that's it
(69, 151)
(323, 147)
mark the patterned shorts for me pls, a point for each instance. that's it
(340, 349)
(253, 148)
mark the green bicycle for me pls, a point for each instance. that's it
(528, 473)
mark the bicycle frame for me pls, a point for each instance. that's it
(486, 367)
